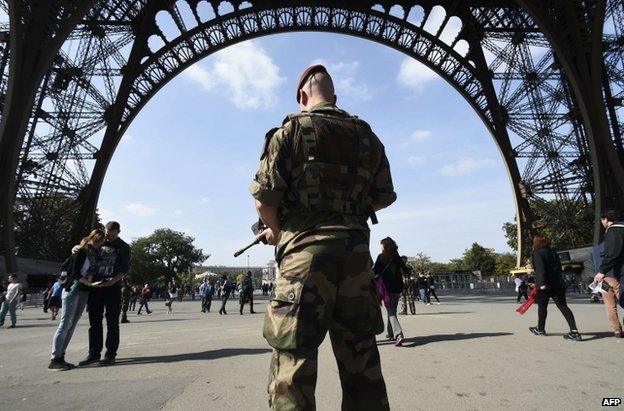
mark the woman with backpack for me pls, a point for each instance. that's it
(80, 269)
(390, 267)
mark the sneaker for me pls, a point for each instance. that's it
(618, 335)
(106, 362)
(89, 359)
(149, 312)
(428, 303)
(573, 336)
(125, 320)
(58, 365)
(535, 331)
(399, 341)
(70, 365)
(11, 326)
(140, 313)
(252, 312)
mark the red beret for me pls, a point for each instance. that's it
(317, 68)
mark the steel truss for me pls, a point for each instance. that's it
(74, 75)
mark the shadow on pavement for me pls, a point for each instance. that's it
(596, 336)
(196, 356)
(48, 324)
(445, 312)
(426, 339)
(165, 319)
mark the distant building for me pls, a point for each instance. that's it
(33, 273)
(456, 279)
(270, 272)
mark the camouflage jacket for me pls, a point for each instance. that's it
(273, 182)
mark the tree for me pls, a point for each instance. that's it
(421, 263)
(504, 263)
(568, 224)
(43, 226)
(479, 258)
(164, 253)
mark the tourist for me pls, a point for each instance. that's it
(172, 294)
(431, 291)
(390, 267)
(423, 288)
(11, 298)
(46, 297)
(113, 266)
(134, 295)
(611, 271)
(225, 293)
(521, 287)
(210, 290)
(550, 284)
(56, 293)
(246, 294)
(74, 295)
(145, 296)
(203, 288)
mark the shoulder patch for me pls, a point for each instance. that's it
(267, 140)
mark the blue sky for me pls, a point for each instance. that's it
(187, 160)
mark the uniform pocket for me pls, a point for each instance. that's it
(281, 322)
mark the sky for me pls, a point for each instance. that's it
(187, 160)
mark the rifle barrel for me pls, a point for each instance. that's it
(242, 250)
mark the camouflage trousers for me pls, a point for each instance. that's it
(325, 286)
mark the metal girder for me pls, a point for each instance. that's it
(505, 60)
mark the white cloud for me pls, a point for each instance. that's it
(205, 200)
(414, 74)
(244, 73)
(421, 134)
(467, 166)
(140, 209)
(416, 161)
(177, 212)
(346, 79)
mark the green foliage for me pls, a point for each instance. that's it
(421, 263)
(163, 255)
(504, 263)
(43, 226)
(479, 258)
(567, 223)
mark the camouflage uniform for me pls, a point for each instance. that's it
(323, 254)
(125, 302)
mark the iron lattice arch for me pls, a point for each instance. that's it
(85, 69)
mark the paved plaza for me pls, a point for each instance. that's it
(472, 352)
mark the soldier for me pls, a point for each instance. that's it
(321, 175)
(246, 295)
(407, 295)
(126, 290)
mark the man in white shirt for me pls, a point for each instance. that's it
(14, 290)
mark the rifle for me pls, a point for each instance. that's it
(257, 228)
